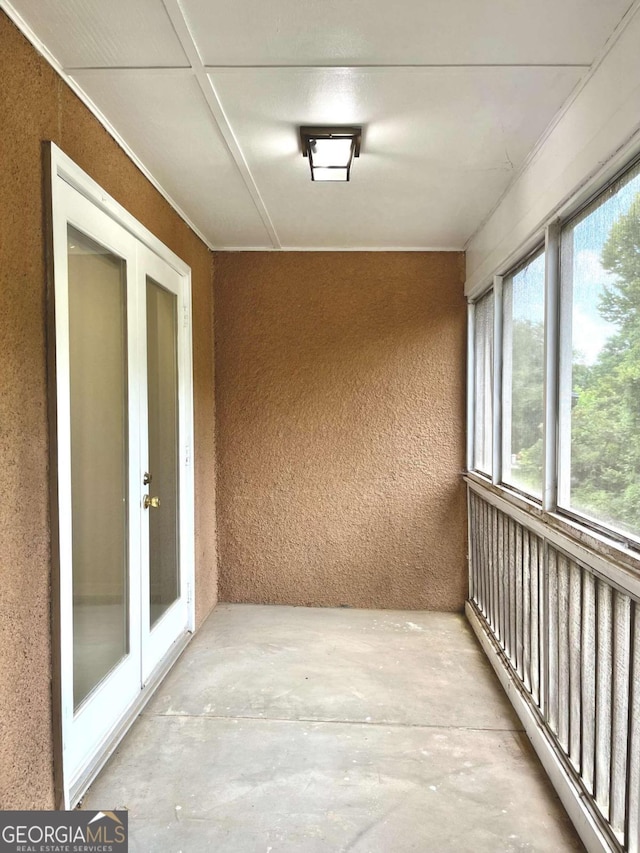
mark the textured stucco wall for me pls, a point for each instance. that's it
(340, 427)
(35, 105)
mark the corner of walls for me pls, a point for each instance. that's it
(205, 603)
(216, 260)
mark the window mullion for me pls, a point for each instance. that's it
(471, 381)
(496, 467)
(551, 368)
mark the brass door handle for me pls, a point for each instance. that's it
(150, 502)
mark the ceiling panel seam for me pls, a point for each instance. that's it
(395, 66)
(44, 51)
(181, 27)
(178, 69)
(397, 249)
(623, 23)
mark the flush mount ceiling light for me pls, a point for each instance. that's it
(330, 151)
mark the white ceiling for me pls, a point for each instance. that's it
(452, 96)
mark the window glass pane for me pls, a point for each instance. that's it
(482, 453)
(523, 377)
(162, 385)
(600, 359)
(99, 460)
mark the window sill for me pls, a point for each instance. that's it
(607, 548)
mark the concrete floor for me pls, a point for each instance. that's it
(287, 729)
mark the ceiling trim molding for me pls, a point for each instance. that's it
(622, 25)
(42, 49)
(176, 15)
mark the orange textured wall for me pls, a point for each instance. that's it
(36, 105)
(340, 428)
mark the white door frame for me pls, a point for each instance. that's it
(117, 690)
(130, 239)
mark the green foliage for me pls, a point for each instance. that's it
(605, 429)
(527, 383)
(605, 423)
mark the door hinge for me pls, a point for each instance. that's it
(185, 316)
(187, 455)
(188, 592)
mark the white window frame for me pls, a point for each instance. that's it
(503, 422)
(556, 341)
(471, 385)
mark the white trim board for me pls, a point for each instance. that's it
(64, 167)
(608, 46)
(587, 144)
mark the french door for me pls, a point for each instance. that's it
(124, 484)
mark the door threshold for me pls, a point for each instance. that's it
(79, 786)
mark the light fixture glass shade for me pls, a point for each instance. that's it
(330, 151)
(334, 173)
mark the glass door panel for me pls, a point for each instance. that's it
(124, 484)
(162, 402)
(99, 460)
(166, 541)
